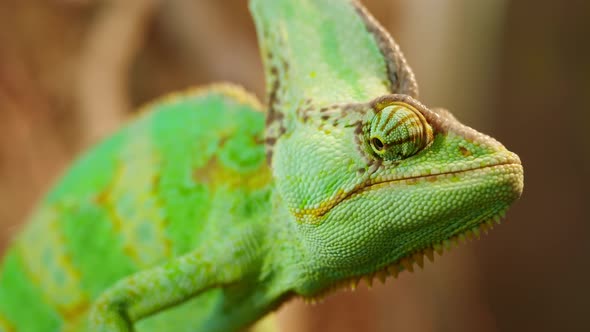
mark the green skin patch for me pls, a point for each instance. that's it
(205, 213)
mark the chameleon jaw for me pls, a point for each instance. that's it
(407, 262)
(467, 232)
(314, 215)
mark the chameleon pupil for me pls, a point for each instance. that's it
(378, 144)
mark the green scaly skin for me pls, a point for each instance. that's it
(201, 215)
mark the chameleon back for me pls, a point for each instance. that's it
(139, 198)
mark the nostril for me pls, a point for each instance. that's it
(464, 151)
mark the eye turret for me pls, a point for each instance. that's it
(398, 131)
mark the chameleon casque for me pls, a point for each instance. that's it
(210, 210)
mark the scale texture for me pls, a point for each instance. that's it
(208, 210)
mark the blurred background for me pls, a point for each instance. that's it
(72, 70)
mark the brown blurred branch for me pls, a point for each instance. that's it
(114, 39)
(209, 40)
(30, 148)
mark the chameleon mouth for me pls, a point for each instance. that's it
(315, 214)
(367, 186)
(414, 259)
(473, 230)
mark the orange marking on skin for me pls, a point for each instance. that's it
(464, 151)
(166, 242)
(131, 252)
(137, 182)
(168, 246)
(72, 313)
(213, 174)
(5, 325)
(314, 213)
(155, 180)
(113, 217)
(222, 141)
(104, 199)
(324, 207)
(33, 278)
(204, 174)
(64, 258)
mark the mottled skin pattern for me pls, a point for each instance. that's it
(200, 215)
(156, 190)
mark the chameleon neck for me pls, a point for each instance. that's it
(285, 253)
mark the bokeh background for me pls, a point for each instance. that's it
(72, 70)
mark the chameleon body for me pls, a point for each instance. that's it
(205, 213)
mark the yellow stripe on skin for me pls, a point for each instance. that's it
(215, 174)
(134, 208)
(5, 326)
(48, 263)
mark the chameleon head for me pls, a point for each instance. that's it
(374, 186)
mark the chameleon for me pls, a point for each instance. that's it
(209, 210)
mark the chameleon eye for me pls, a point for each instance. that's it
(398, 131)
